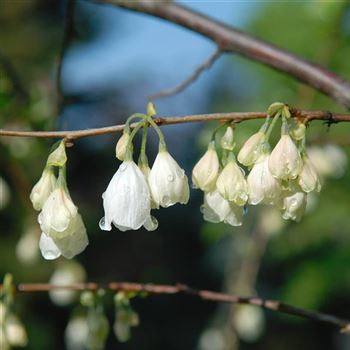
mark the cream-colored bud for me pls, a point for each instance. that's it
(206, 171)
(227, 141)
(232, 184)
(251, 150)
(58, 157)
(121, 146)
(298, 131)
(15, 331)
(308, 178)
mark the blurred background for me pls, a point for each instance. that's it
(113, 60)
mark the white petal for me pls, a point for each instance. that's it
(126, 201)
(249, 153)
(48, 248)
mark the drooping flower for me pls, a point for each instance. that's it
(15, 332)
(285, 162)
(232, 184)
(250, 151)
(293, 203)
(206, 171)
(167, 181)
(68, 245)
(308, 178)
(58, 216)
(217, 209)
(120, 148)
(262, 186)
(43, 188)
(126, 201)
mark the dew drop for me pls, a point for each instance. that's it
(171, 178)
(102, 223)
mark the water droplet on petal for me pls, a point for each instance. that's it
(103, 225)
(171, 178)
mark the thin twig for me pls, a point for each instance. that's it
(189, 80)
(273, 305)
(68, 34)
(302, 115)
(229, 39)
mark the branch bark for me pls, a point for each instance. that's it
(229, 39)
(273, 305)
(301, 115)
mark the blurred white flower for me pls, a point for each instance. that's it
(250, 151)
(308, 178)
(65, 274)
(249, 322)
(206, 171)
(212, 339)
(167, 181)
(329, 161)
(262, 186)
(5, 193)
(43, 188)
(15, 331)
(293, 203)
(232, 184)
(27, 246)
(285, 162)
(126, 201)
(76, 333)
(217, 209)
(120, 148)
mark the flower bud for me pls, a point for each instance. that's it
(298, 131)
(121, 146)
(217, 209)
(294, 203)
(227, 141)
(232, 184)
(285, 162)
(15, 331)
(167, 181)
(250, 151)
(58, 157)
(43, 188)
(308, 178)
(206, 171)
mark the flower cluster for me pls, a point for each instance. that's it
(135, 189)
(63, 230)
(282, 177)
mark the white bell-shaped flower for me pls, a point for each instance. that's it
(56, 217)
(217, 209)
(167, 181)
(285, 162)
(206, 171)
(250, 151)
(120, 148)
(227, 140)
(126, 201)
(68, 245)
(308, 178)
(262, 186)
(232, 184)
(43, 188)
(294, 203)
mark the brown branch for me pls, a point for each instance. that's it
(302, 115)
(229, 39)
(188, 81)
(273, 305)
